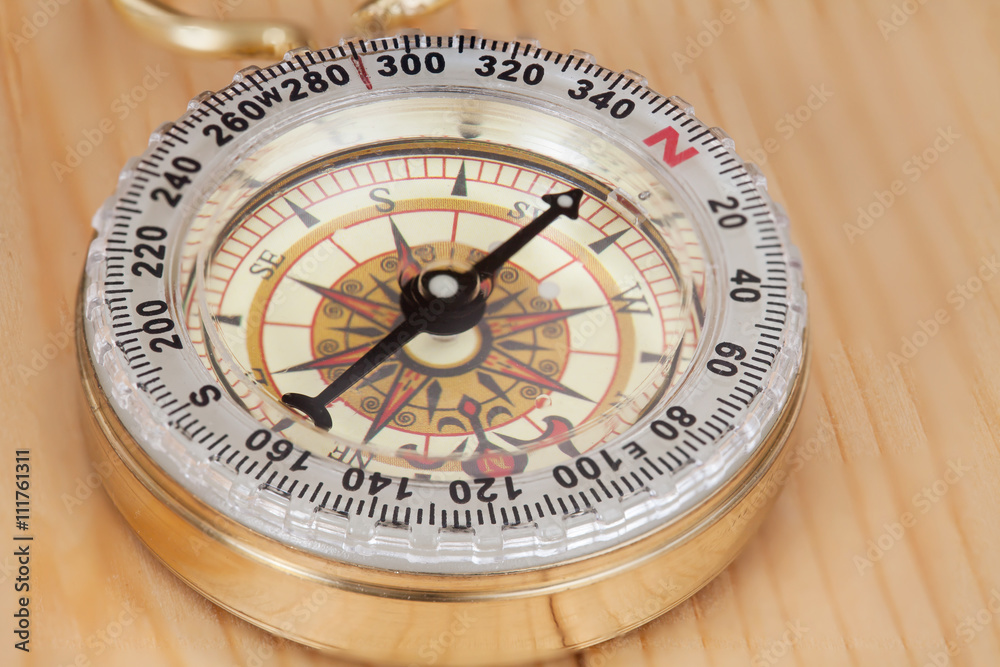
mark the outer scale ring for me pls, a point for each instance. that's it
(449, 620)
(502, 613)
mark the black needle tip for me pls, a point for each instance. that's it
(311, 408)
(566, 203)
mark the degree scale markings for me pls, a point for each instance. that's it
(774, 284)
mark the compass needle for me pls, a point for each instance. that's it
(443, 301)
(431, 328)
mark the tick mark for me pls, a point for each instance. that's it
(232, 320)
(461, 188)
(307, 218)
(608, 241)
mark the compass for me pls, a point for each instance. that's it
(442, 348)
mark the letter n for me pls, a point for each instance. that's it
(670, 154)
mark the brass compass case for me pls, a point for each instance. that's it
(582, 455)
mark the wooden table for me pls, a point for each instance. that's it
(878, 128)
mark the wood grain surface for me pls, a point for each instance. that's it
(876, 122)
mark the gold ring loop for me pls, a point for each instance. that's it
(272, 39)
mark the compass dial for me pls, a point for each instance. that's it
(583, 329)
(432, 326)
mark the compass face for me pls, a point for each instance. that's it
(584, 328)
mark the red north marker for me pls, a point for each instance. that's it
(670, 154)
